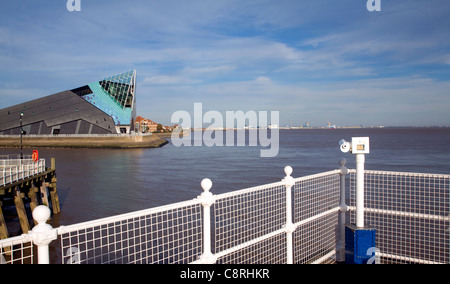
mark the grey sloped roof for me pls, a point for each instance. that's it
(54, 110)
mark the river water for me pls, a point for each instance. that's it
(100, 183)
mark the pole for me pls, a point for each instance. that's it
(340, 243)
(290, 227)
(360, 160)
(207, 200)
(21, 131)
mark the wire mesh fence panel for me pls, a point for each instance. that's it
(315, 239)
(268, 251)
(315, 201)
(411, 214)
(17, 250)
(246, 215)
(315, 194)
(168, 236)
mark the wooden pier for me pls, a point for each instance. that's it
(39, 189)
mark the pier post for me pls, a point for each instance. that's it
(3, 228)
(54, 196)
(53, 164)
(54, 191)
(290, 227)
(44, 193)
(207, 199)
(20, 207)
(33, 198)
(43, 234)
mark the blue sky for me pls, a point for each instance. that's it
(315, 61)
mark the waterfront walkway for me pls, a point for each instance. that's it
(108, 141)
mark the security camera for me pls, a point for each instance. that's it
(345, 146)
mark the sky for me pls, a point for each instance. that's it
(311, 60)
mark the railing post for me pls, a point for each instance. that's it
(290, 227)
(340, 232)
(207, 199)
(43, 234)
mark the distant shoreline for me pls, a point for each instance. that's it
(155, 140)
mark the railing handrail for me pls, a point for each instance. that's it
(16, 157)
(410, 174)
(247, 190)
(18, 240)
(317, 175)
(17, 162)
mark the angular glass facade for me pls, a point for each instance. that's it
(121, 88)
(115, 96)
(102, 107)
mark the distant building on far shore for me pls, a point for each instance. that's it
(145, 125)
(331, 126)
(102, 107)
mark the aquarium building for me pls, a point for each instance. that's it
(103, 107)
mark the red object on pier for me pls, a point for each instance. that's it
(35, 156)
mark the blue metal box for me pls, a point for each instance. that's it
(358, 244)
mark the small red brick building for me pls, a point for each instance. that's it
(145, 125)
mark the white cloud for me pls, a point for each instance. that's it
(168, 80)
(208, 70)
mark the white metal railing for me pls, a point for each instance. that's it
(254, 225)
(12, 170)
(15, 157)
(292, 221)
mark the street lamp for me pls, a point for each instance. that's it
(21, 132)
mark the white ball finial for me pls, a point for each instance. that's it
(41, 214)
(206, 184)
(43, 233)
(207, 198)
(288, 171)
(343, 162)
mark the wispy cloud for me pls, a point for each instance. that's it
(312, 60)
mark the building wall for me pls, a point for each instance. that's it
(145, 125)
